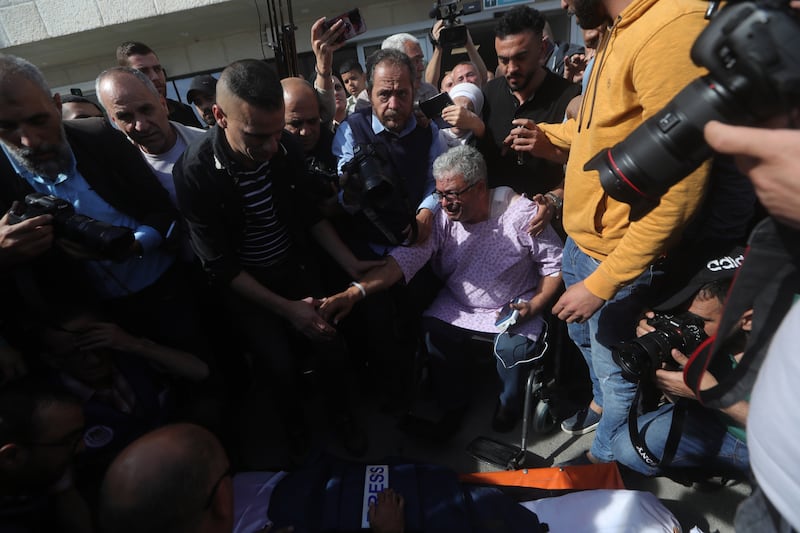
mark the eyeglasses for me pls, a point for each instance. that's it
(451, 196)
(228, 471)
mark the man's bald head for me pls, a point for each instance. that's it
(302, 111)
(163, 481)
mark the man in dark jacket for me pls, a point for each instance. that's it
(87, 164)
(241, 189)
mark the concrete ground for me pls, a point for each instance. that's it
(710, 506)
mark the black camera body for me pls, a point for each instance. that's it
(324, 180)
(453, 34)
(640, 358)
(752, 53)
(383, 197)
(99, 238)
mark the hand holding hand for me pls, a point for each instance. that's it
(335, 308)
(303, 316)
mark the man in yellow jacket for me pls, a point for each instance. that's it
(608, 260)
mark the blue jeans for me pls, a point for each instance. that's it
(614, 322)
(704, 442)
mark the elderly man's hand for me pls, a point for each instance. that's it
(335, 308)
(303, 316)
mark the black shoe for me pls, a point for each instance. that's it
(352, 436)
(504, 419)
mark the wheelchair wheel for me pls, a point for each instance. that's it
(543, 420)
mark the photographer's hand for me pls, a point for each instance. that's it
(26, 240)
(352, 186)
(770, 158)
(671, 381)
(644, 327)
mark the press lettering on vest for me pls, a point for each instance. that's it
(376, 479)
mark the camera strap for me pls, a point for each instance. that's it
(673, 437)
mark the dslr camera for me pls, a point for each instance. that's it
(641, 357)
(752, 53)
(383, 198)
(453, 33)
(99, 238)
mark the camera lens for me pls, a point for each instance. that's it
(664, 148)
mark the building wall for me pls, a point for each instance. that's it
(74, 40)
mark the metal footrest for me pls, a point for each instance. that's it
(497, 453)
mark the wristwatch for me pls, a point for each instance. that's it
(558, 202)
(431, 38)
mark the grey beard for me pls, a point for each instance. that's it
(48, 169)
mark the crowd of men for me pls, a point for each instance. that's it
(158, 268)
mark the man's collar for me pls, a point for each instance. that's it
(28, 175)
(224, 158)
(378, 127)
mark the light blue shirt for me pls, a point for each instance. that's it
(111, 279)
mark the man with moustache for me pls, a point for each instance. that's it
(475, 221)
(527, 93)
(609, 260)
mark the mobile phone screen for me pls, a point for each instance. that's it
(353, 24)
(506, 313)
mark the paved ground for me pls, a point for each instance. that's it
(709, 507)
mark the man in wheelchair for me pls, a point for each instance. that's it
(481, 249)
(681, 433)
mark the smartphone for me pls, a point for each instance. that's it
(508, 316)
(353, 24)
(432, 107)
